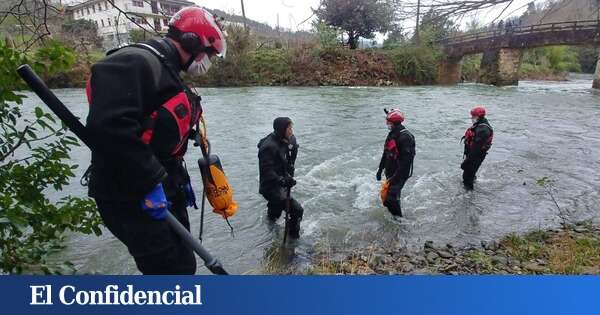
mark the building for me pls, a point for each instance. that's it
(115, 22)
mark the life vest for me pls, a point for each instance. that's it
(183, 110)
(391, 149)
(470, 136)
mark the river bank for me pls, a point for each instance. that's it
(410, 66)
(570, 249)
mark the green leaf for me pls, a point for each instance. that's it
(39, 113)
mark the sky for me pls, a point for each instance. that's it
(292, 12)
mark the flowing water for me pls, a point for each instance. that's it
(541, 129)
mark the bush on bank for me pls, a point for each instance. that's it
(34, 162)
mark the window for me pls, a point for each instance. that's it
(154, 6)
(102, 22)
(99, 7)
(94, 8)
(170, 9)
(157, 24)
(88, 10)
(138, 3)
(166, 22)
(109, 21)
(105, 5)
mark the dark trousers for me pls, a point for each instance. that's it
(392, 202)
(154, 245)
(470, 167)
(275, 207)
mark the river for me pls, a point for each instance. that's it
(541, 129)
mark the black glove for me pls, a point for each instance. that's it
(378, 176)
(288, 182)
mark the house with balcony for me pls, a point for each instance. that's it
(115, 22)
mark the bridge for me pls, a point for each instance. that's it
(503, 49)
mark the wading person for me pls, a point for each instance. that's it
(396, 161)
(478, 140)
(276, 157)
(143, 113)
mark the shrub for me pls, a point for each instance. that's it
(416, 63)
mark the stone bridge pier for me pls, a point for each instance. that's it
(449, 71)
(500, 67)
(597, 75)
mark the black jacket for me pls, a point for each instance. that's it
(398, 164)
(276, 160)
(482, 139)
(126, 87)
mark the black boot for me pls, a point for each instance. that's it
(468, 185)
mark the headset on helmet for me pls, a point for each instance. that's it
(198, 31)
(478, 111)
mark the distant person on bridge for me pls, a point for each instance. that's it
(141, 109)
(276, 164)
(478, 140)
(396, 160)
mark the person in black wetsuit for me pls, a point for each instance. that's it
(277, 157)
(143, 114)
(397, 160)
(478, 140)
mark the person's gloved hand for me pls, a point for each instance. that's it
(155, 203)
(288, 182)
(378, 176)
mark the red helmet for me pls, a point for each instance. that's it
(198, 30)
(395, 116)
(478, 111)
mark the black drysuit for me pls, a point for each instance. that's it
(276, 158)
(476, 150)
(125, 88)
(397, 161)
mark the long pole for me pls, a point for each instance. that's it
(39, 87)
(417, 39)
(244, 15)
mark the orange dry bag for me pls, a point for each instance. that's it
(385, 188)
(216, 186)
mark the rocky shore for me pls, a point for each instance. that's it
(571, 249)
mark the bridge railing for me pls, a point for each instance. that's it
(521, 30)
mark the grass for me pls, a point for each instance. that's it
(566, 252)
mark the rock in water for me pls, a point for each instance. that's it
(431, 257)
(445, 254)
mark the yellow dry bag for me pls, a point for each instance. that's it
(216, 186)
(385, 188)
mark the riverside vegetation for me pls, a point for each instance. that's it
(570, 249)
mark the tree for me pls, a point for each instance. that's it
(358, 18)
(435, 27)
(34, 154)
(81, 31)
(328, 36)
(396, 37)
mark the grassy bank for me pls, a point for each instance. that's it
(571, 249)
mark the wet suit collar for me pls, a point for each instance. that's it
(480, 121)
(397, 127)
(167, 49)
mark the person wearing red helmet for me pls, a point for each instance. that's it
(396, 160)
(478, 140)
(143, 112)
